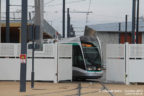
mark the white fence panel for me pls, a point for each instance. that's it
(9, 69)
(115, 71)
(8, 49)
(136, 50)
(48, 50)
(115, 51)
(65, 62)
(125, 67)
(115, 63)
(135, 63)
(14, 50)
(136, 71)
(48, 67)
(45, 69)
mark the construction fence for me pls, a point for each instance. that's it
(53, 63)
(125, 63)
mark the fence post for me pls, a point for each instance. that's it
(56, 62)
(79, 89)
(127, 63)
(15, 50)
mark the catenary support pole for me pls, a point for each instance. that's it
(133, 20)
(137, 28)
(63, 25)
(119, 31)
(68, 23)
(23, 46)
(126, 34)
(0, 21)
(7, 21)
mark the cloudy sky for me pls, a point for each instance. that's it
(103, 11)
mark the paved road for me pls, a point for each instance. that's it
(69, 89)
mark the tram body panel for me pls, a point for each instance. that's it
(79, 73)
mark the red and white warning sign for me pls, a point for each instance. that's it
(23, 58)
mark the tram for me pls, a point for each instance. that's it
(87, 60)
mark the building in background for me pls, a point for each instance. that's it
(15, 31)
(109, 34)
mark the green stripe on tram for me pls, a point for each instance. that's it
(73, 43)
(94, 71)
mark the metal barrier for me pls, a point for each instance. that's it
(53, 63)
(125, 63)
(13, 50)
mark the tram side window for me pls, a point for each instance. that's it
(78, 58)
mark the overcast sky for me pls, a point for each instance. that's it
(104, 11)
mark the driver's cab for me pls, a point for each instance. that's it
(86, 57)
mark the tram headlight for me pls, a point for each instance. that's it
(99, 69)
(89, 68)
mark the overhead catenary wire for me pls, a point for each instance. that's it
(58, 4)
(88, 11)
(13, 5)
(49, 2)
(76, 1)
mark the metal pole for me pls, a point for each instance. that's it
(7, 21)
(126, 19)
(137, 29)
(68, 23)
(23, 45)
(0, 21)
(79, 89)
(133, 20)
(39, 19)
(63, 26)
(33, 49)
(119, 31)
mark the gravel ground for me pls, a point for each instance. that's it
(70, 89)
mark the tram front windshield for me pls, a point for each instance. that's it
(92, 57)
